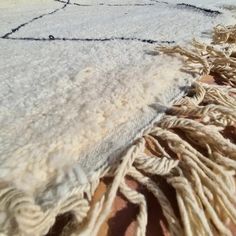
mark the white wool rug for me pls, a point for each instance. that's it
(79, 81)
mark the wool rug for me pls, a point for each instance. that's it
(80, 81)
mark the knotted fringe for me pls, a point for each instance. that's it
(191, 154)
(224, 34)
(211, 59)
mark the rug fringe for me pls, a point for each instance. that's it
(139, 199)
(224, 34)
(203, 59)
(174, 224)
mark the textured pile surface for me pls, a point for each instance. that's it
(79, 80)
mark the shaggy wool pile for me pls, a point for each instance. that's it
(80, 80)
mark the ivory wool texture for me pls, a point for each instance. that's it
(85, 84)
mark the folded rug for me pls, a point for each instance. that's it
(80, 81)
